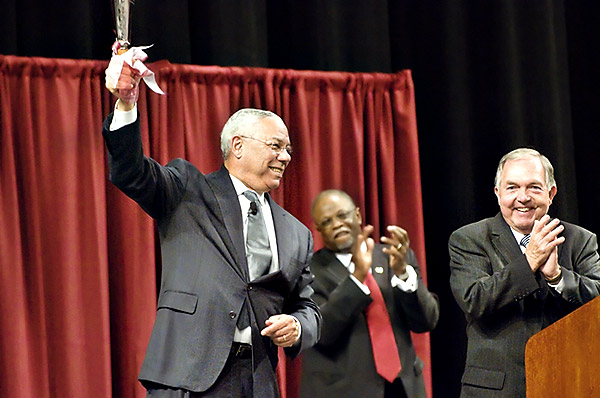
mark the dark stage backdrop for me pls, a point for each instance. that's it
(489, 76)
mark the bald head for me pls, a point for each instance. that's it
(325, 195)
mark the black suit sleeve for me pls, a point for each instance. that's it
(580, 265)
(304, 308)
(421, 307)
(157, 189)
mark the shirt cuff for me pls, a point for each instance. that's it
(410, 284)
(558, 286)
(299, 328)
(122, 118)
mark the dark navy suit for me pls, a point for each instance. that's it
(204, 279)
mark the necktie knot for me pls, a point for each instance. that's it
(525, 240)
(251, 196)
(254, 203)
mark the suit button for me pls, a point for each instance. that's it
(249, 287)
(232, 314)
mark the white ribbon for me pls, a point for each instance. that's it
(134, 57)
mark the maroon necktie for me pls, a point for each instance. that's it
(385, 351)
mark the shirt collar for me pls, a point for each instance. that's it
(518, 236)
(240, 188)
(346, 258)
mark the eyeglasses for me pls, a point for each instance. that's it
(276, 147)
(341, 216)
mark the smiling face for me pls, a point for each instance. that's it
(522, 193)
(252, 159)
(338, 221)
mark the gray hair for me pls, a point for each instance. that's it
(521, 153)
(242, 122)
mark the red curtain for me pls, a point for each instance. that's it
(79, 261)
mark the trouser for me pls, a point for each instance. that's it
(394, 390)
(235, 381)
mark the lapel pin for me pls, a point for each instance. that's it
(379, 270)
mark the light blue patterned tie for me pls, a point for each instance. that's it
(258, 250)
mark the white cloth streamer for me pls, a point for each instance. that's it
(134, 57)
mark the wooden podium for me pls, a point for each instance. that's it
(563, 360)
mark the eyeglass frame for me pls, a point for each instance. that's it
(273, 146)
(340, 216)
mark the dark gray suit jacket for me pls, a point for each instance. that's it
(341, 364)
(204, 280)
(505, 303)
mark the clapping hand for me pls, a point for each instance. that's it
(399, 245)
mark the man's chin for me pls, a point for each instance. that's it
(274, 184)
(343, 245)
(524, 228)
(523, 220)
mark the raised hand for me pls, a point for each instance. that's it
(362, 253)
(544, 240)
(123, 82)
(399, 244)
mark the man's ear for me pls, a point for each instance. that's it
(552, 193)
(237, 145)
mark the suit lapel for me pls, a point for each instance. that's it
(334, 269)
(230, 213)
(380, 271)
(337, 271)
(281, 225)
(503, 239)
(508, 249)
